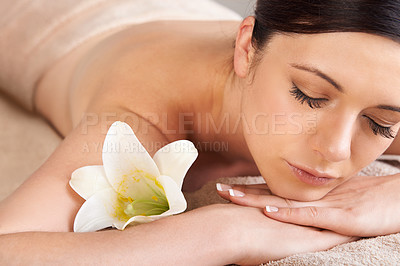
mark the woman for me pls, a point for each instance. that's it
(310, 85)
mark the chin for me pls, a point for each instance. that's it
(299, 194)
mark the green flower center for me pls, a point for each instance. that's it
(147, 197)
(146, 207)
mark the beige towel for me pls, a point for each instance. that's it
(384, 250)
(35, 34)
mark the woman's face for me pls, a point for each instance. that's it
(353, 78)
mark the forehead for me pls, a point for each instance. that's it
(356, 60)
(339, 48)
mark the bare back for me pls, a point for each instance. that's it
(138, 75)
(137, 62)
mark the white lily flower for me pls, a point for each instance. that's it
(130, 186)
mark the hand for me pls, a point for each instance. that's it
(257, 238)
(362, 206)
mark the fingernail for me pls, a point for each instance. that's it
(223, 187)
(271, 208)
(236, 193)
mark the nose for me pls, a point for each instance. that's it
(333, 138)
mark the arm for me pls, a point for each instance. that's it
(45, 202)
(213, 235)
(364, 206)
(167, 240)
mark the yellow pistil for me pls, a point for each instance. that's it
(154, 198)
(119, 208)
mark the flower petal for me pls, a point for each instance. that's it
(124, 157)
(176, 200)
(139, 220)
(175, 159)
(98, 212)
(88, 180)
(146, 219)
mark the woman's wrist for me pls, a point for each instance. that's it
(224, 231)
(211, 231)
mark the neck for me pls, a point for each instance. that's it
(230, 117)
(218, 120)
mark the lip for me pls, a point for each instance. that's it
(310, 176)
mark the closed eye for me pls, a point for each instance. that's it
(302, 97)
(386, 132)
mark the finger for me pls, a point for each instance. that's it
(249, 189)
(258, 186)
(334, 219)
(258, 200)
(223, 190)
(252, 190)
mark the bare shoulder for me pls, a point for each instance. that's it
(142, 79)
(152, 70)
(147, 61)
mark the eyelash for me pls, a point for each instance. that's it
(386, 132)
(301, 97)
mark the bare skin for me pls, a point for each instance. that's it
(207, 49)
(144, 72)
(110, 71)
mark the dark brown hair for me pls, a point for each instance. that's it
(379, 17)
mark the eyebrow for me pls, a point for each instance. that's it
(388, 107)
(321, 74)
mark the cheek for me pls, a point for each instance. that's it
(366, 148)
(268, 94)
(270, 110)
(272, 120)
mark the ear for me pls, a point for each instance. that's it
(244, 50)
